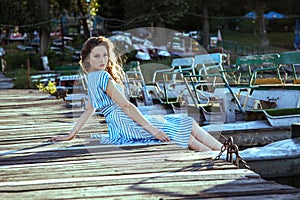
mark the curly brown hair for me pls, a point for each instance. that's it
(113, 68)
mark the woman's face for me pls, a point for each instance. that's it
(98, 58)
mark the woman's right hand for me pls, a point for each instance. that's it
(159, 134)
(60, 138)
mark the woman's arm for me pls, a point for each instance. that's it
(133, 112)
(89, 111)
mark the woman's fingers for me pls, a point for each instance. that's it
(162, 136)
(52, 140)
(58, 138)
(166, 137)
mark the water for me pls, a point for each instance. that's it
(290, 180)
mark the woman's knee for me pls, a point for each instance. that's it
(194, 126)
(194, 144)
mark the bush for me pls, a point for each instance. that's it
(58, 59)
(17, 60)
(21, 79)
(248, 26)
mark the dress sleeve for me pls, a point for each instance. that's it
(104, 76)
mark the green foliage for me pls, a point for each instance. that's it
(21, 79)
(180, 15)
(155, 12)
(248, 26)
(35, 62)
(16, 59)
(57, 59)
(13, 12)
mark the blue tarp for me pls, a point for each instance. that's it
(270, 15)
(274, 15)
(251, 15)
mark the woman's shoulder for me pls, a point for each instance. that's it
(99, 74)
(99, 78)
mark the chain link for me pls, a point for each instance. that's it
(232, 149)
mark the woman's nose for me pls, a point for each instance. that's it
(101, 59)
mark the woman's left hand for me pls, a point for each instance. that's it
(60, 138)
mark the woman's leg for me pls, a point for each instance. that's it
(204, 137)
(194, 144)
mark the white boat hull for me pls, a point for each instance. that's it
(278, 159)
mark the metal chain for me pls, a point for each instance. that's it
(231, 150)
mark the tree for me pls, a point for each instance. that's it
(82, 13)
(206, 30)
(260, 8)
(80, 8)
(45, 28)
(154, 13)
(206, 11)
(13, 14)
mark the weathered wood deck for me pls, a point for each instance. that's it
(31, 168)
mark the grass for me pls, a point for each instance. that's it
(249, 39)
(284, 39)
(277, 40)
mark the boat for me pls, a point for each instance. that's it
(282, 117)
(222, 103)
(277, 159)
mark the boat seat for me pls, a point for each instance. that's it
(266, 81)
(296, 81)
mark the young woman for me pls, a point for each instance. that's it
(126, 125)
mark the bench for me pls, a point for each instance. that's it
(248, 67)
(291, 59)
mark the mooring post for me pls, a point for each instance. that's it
(28, 73)
(295, 130)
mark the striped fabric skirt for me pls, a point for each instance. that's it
(122, 130)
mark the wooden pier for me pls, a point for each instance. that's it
(32, 168)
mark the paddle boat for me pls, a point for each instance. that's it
(255, 112)
(277, 159)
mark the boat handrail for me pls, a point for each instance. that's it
(225, 83)
(260, 81)
(177, 63)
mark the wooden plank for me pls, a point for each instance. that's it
(31, 168)
(129, 178)
(117, 163)
(220, 188)
(177, 179)
(86, 169)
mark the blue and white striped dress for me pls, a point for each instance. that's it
(122, 129)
